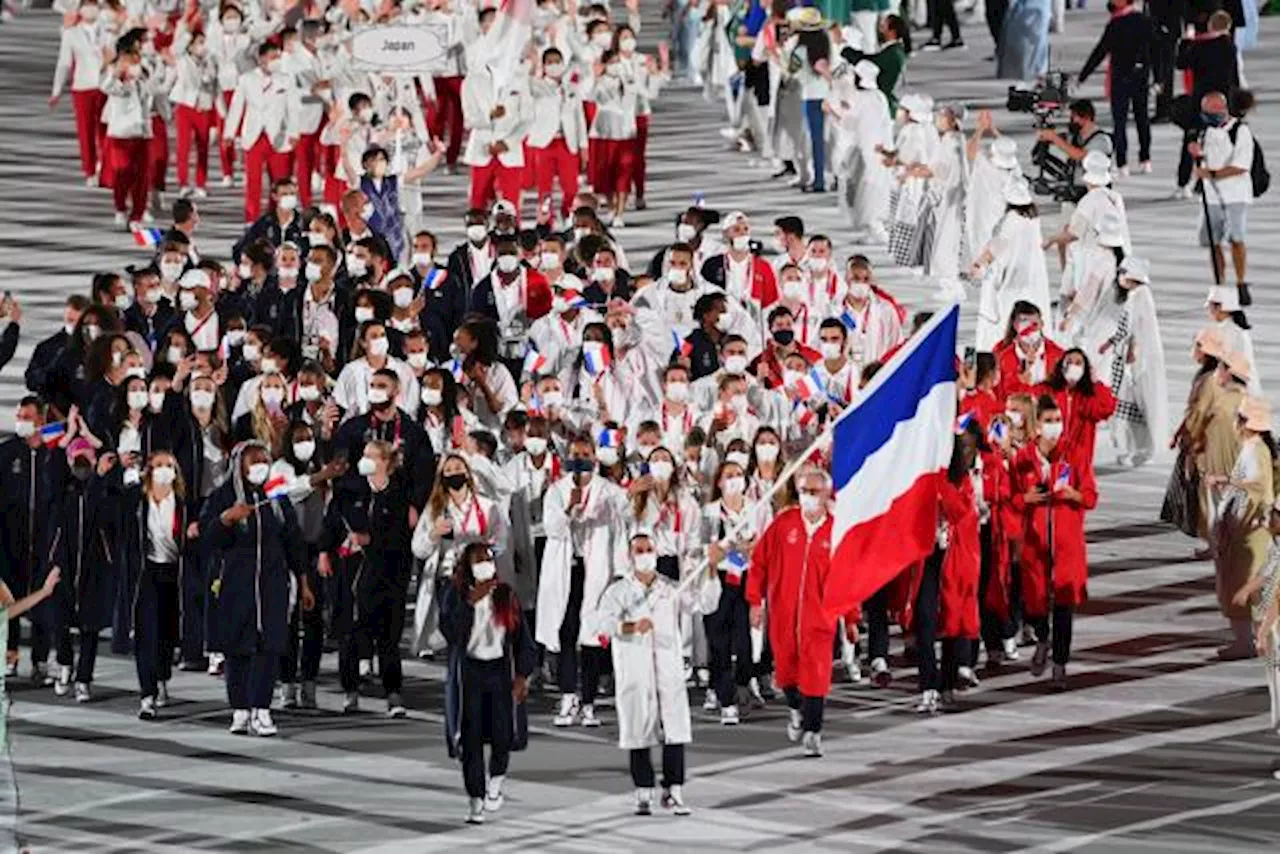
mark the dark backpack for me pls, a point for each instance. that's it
(1258, 173)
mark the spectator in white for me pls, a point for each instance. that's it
(558, 134)
(265, 109)
(498, 113)
(80, 56)
(314, 91)
(1227, 154)
(194, 95)
(371, 354)
(1010, 266)
(129, 91)
(992, 171)
(866, 182)
(1100, 204)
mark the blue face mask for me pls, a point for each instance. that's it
(579, 466)
(1213, 120)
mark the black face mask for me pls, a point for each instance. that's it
(784, 336)
(1073, 126)
(454, 482)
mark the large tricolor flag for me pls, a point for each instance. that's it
(889, 453)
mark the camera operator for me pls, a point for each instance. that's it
(1084, 134)
(1128, 40)
(1212, 59)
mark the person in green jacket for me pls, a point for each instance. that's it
(891, 58)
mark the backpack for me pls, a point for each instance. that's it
(1258, 173)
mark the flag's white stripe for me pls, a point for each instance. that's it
(918, 446)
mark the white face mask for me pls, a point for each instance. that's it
(304, 451)
(270, 366)
(735, 364)
(202, 400)
(287, 274)
(288, 203)
(832, 350)
(24, 429)
(602, 39)
(685, 232)
(661, 470)
(403, 297)
(175, 355)
(423, 259)
(308, 393)
(314, 273)
(739, 403)
(365, 114)
(137, 399)
(251, 352)
(553, 399)
(417, 361)
(818, 265)
(257, 474)
(484, 570)
(602, 274)
(646, 562)
(378, 396)
(153, 297)
(607, 456)
(734, 485)
(477, 232)
(535, 445)
(235, 337)
(677, 392)
(156, 400)
(724, 322)
(170, 270)
(677, 276)
(859, 290)
(366, 467)
(272, 397)
(810, 504)
(794, 291)
(364, 314)
(741, 243)
(766, 453)
(136, 372)
(1073, 373)
(92, 332)
(738, 458)
(245, 270)
(162, 475)
(554, 70)
(356, 266)
(1014, 416)
(366, 212)
(549, 261)
(187, 301)
(627, 45)
(378, 346)
(431, 396)
(508, 263)
(123, 301)
(1051, 430)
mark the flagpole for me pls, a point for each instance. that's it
(825, 436)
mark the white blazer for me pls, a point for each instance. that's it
(267, 104)
(602, 526)
(195, 83)
(129, 103)
(306, 69)
(80, 57)
(479, 97)
(557, 110)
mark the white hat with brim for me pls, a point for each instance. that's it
(805, 17)
(919, 108)
(1097, 169)
(1136, 270)
(1228, 299)
(1238, 366)
(1017, 193)
(867, 71)
(1256, 414)
(1004, 153)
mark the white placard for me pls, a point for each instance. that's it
(401, 48)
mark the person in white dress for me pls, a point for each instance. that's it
(914, 148)
(1223, 304)
(1101, 202)
(1011, 267)
(865, 180)
(991, 171)
(1138, 377)
(1084, 296)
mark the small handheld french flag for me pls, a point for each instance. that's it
(803, 415)
(148, 238)
(51, 434)
(610, 438)
(963, 422)
(534, 362)
(573, 299)
(276, 488)
(806, 387)
(683, 348)
(1064, 477)
(435, 278)
(455, 368)
(998, 431)
(850, 322)
(737, 565)
(595, 357)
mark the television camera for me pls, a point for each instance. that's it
(1055, 173)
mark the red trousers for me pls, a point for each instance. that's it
(129, 168)
(260, 155)
(494, 180)
(193, 126)
(158, 154)
(334, 187)
(593, 148)
(556, 163)
(638, 155)
(448, 113)
(90, 131)
(615, 158)
(226, 139)
(307, 161)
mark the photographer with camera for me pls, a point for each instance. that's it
(1128, 41)
(1084, 133)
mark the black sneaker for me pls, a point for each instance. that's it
(954, 44)
(785, 172)
(932, 44)
(1246, 298)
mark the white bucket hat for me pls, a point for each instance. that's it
(1227, 297)
(1097, 169)
(1136, 269)
(1017, 193)
(1004, 153)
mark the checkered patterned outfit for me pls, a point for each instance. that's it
(1126, 408)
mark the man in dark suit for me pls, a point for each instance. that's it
(47, 352)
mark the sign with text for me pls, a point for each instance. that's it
(402, 48)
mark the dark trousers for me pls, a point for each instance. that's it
(672, 767)
(942, 13)
(1063, 620)
(877, 615)
(1163, 52)
(301, 662)
(928, 605)
(815, 121)
(994, 629)
(995, 11)
(250, 679)
(88, 653)
(1131, 92)
(212, 571)
(155, 625)
(729, 644)
(194, 591)
(1184, 157)
(571, 679)
(484, 685)
(810, 708)
(377, 625)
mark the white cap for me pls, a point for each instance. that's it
(1097, 169)
(502, 206)
(1225, 296)
(867, 71)
(194, 278)
(1004, 153)
(1136, 269)
(732, 219)
(1017, 193)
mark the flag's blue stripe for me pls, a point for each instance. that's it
(864, 430)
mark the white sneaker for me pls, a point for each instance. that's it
(289, 695)
(493, 797)
(83, 694)
(1181, 194)
(366, 667)
(617, 222)
(91, 181)
(795, 725)
(854, 669)
(11, 669)
(261, 724)
(147, 709)
(162, 695)
(966, 678)
(1011, 649)
(589, 718)
(709, 702)
(216, 662)
(227, 182)
(239, 721)
(928, 704)
(199, 193)
(729, 716)
(644, 801)
(120, 220)
(757, 698)
(475, 815)
(351, 703)
(813, 745)
(184, 192)
(62, 685)
(568, 710)
(1145, 167)
(729, 133)
(1040, 658)
(881, 676)
(673, 799)
(147, 218)
(395, 706)
(1124, 171)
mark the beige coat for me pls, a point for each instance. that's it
(1242, 537)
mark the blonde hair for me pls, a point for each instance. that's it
(179, 486)
(389, 452)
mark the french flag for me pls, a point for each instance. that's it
(850, 322)
(51, 434)
(534, 362)
(276, 488)
(455, 368)
(595, 359)
(435, 278)
(683, 347)
(610, 438)
(148, 238)
(890, 451)
(735, 565)
(806, 387)
(1064, 477)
